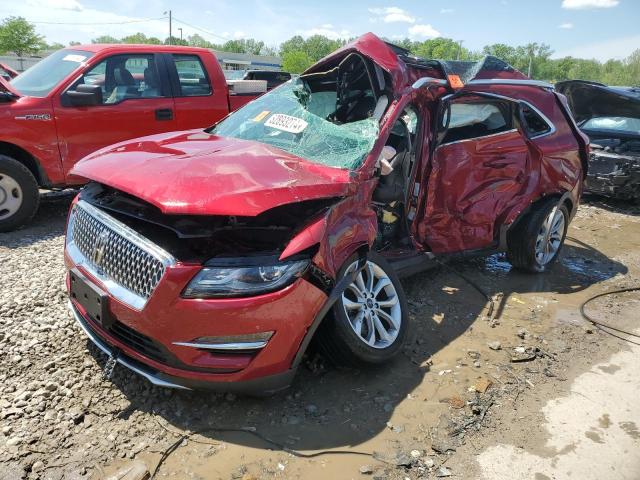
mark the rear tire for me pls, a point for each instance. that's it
(369, 323)
(19, 195)
(536, 241)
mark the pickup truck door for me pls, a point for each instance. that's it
(136, 101)
(199, 89)
(480, 168)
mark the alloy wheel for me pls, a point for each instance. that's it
(372, 306)
(10, 196)
(550, 236)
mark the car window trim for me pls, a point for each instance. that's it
(550, 124)
(175, 78)
(449, 98)
(157, 60)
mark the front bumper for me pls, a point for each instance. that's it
(266, 385)
(155, 341)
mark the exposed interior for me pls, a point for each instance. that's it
(330, 117)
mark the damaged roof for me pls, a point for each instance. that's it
(405, 68)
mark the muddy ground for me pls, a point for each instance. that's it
(455, 404)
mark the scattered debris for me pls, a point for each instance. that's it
(457, 402)
(136, 470)
(495, 345)
(397, 459)
(482, 385)
(366, 469)
(443, 472)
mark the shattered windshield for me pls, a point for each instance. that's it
(306, 124)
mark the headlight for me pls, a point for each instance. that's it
(213, 282)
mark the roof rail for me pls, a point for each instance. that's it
(512, 81)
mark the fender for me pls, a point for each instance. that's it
(563, 198)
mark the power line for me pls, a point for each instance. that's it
(201, 29)
(142, 20)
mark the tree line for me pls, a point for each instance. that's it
(17, 35)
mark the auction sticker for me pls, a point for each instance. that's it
(74, 58)
(286, 123)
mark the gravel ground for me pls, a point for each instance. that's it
(60, 419)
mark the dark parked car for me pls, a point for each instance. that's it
(215, 256)
(610, 116)
(273, 77)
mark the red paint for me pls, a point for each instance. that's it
(469, 192)
(201, 174)
(68, 133)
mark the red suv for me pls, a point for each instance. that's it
(215, 256)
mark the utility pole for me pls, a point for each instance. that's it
(529, 70)
(170, 32)
(180, 28)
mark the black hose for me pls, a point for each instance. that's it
(600, 324)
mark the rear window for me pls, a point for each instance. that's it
(192, 77)
(534, 124)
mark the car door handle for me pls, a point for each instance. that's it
(164, 114)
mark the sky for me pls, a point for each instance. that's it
(600, 29)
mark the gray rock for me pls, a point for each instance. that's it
(443, 472)
(495, 345)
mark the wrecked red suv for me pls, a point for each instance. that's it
(211, 258)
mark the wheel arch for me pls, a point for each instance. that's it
(562, 198)
(21, 155)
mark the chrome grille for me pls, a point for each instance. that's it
(116, 252)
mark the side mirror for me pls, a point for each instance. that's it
(85, 95)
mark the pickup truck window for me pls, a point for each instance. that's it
(123, 77)
(192, 76)
(44, 76)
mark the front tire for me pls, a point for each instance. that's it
(370, 322)
(537, 239)
(19, 195)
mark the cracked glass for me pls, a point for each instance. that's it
(295, 120)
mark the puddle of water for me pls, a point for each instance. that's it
(584, 267)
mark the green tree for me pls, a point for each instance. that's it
(196, 40)
(175, 41)
(54, 46)
(105, 39)
(295, 61)
(19, 36)
(141, 38)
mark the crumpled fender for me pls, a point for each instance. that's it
(347, 226)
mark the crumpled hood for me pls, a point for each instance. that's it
(195, 173)
(588, 100)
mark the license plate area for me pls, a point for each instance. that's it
(93, 299)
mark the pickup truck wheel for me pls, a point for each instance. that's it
(19, 196)
(370, 321)
(537, 239)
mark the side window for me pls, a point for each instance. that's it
(192, 77)
(124, 77)
(473, 117)
(533, 123)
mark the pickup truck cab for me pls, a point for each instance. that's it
(80, 99)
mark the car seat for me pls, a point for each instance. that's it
(151, 83)
(125, 85)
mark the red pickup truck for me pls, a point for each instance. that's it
(80, 99)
